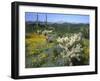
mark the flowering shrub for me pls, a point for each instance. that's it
(34, 44)
(72, 48)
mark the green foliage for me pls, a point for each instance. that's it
(85, 43)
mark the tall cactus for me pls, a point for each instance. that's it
(37, 21)
(46, 20)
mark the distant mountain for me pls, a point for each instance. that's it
(58, 27)
(51, 23)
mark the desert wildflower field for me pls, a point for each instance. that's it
(50, 43)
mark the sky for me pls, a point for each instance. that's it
(57, 18)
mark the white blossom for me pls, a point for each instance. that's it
(70, 50)
(47, 31)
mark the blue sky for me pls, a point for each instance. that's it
(60, 18)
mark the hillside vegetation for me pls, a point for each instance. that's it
(65, 44)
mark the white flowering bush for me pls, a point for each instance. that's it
(72, 48)
(47, 31)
